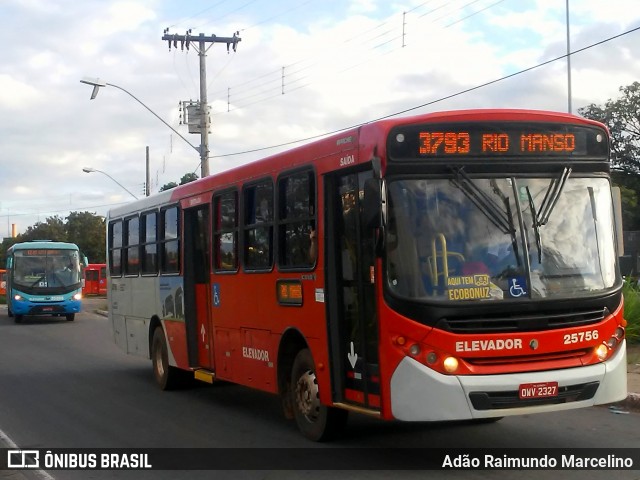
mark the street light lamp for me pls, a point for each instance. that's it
(91, 170)
(97, 83)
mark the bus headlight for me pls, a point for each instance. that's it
(450, 364)
(77, 296)
(17, 297)
(602, 351)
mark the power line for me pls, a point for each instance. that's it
(283, 77)
(432, 102)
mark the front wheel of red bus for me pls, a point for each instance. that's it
(166, 375)
(316, 421)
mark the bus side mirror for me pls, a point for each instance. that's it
(617, 213)
(372, 202)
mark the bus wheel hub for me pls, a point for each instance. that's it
(306, 395)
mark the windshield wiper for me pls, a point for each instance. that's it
(551, 197)
(535, 225)
(503, 219)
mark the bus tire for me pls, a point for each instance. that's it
(70, 317)
(167, 377)
(9, 312)
(317, 422)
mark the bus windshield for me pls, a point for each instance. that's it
(46, 269)
(499, 238)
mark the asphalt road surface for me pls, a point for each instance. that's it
(66, 385)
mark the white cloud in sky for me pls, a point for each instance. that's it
(344, 63)
(16, 95)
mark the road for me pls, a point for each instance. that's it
(66, 385)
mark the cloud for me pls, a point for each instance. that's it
(16, 95)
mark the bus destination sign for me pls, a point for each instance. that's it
(482, 140)
(41, 253)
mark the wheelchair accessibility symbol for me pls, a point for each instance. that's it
(516, 287)
(216, 294)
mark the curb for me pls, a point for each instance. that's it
(632, 402)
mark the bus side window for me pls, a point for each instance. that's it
(296, 221)
(148, 240)
(115, 248)
(225, 231)
(258, 226)
(169, 240)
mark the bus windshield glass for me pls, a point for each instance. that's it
(509, 238)
(39, 269)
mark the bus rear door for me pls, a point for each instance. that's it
(197, 291)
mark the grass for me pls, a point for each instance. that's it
(632, 311)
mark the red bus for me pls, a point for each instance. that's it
(3, 282)
(447, 266)
(95, 279)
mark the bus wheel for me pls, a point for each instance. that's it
(166, 376)
(9, 312)
(316, 421)
(70, 317)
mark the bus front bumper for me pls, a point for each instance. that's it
(26, 307)
(419, 393)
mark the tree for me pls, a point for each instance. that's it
(87, 230)
(52, 229)
(622, 116)
(6, 243)
(168, 186)
(186, 178)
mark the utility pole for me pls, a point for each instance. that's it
(200, 45)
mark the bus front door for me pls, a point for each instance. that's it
(353, 326)
(197, 294)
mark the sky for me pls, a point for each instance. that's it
(303, 68)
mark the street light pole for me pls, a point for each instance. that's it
(91, 170)
(97, 83)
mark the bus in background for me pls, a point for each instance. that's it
(3, 281)
(95, 279)
(44, 278)
(449, 266)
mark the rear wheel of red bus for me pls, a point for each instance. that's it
(316, 421)
(168, 377)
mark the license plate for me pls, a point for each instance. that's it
(538, 390)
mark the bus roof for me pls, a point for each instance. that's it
(44, 244)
